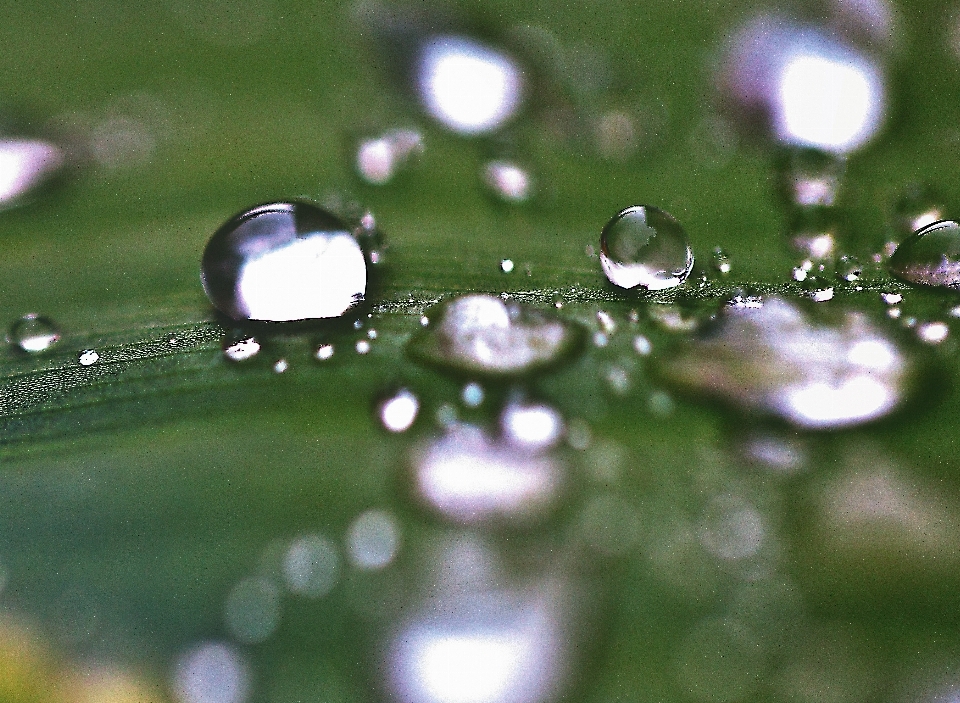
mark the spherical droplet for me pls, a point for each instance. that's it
(645, 247)
(34, 333)
(931, 256)
(398, 412)
(284, 261)
(506, 265)
(720, 261)
(323, 352)
(508, 181)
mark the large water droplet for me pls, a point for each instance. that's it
(645, 247)
(930, 257)
(485, 335)
(284, 261)
(26, 164)
(803, 85)
(34, 333)
(773, 359)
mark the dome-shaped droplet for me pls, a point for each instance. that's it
(485, 335)
(931, 256)
(644, 247)
(34, 333)
(284, 261)
(239, 347)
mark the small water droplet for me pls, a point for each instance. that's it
(918, 206)
(930, 257)
(472, 395)
(424, 321)
(399, 411)
(373, 540)
(720, 261)
(894, 313)
(810, 177)
(323, 352)
(282, 262)
(645, 247)
(506, 265)
(600, 340)
(379, 159)
(508, 181)
(34, 333)
(849, 268)
(954, 311)
(891, 298)
(362, 346)
(240, 347)
(281, 366)
(590, 251)
(618, 380)
(606, 321)
(821, 294)
(484, 334)
(371, 334)
(88, 357)
(642, 345)
(933, 332)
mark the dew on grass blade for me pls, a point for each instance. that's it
(930, 257)
(380, 158)
(644, 247)
(720, 261)
(34, 333)
(26, 164)
(488, 336)
(239, 346)
(282, 262)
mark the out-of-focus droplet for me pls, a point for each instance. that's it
(642, 345)
(311, 566)
(644, 247)
(373, 540)
(933, 332)
(931, 257)
(34, 333)
(508, 181)
(812, 232)
(773, 359)
(88, 357)
(677, 318)
(472, 395)
(252, 610)
(485, 335)
(282, 262)
(399, 411)
(803, 85)
(362, 346)
(239, 347)
(470, 478)
(720, 261)
(380, 158)
(468, 87)
(281, 366)
(810, 177)
(731, 528)
(532, 426)
(323, 352)
(918, 206)
(26, 164)
(213, 672)
(849, 268)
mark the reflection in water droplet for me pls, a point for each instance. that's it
(373, 540)
(399, 411)
(642, 345)
(508, 181)
(531, 426)
(804, 85)
(849, 268)
(720, 261)
(645, 247)
(213, 672)
(483, 334)
(930, 257)
(468, 87)
(323, 352)
(311, 566)
(810, 177)
(26, 164)
(774, 359)
(34, 333)
(379, 159)
(252, 610)
(240, 347)
(283, 262)
(471, 478)
(917, 207)
(933, 332)
(88, 357)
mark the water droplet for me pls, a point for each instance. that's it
(470, 478)
(281, 366)
(720, 261)
(88, 357)
(213, 672)
(891, 298)
(642, 345)
(773, 359)
(930, 257)
(362, 346)
(606, 321)
(483, 334)
(26, 164)
(253, 610)
(399, 411)
(472, 395)
(380, 158)
(282, 262)
(803, 85)
(933, 332)
(917, 207)
(239, 347)
(618, 380)
(645, 247)
(674, 318)
(311, 566)
(424, 321)
(506, 265)
(371, 334)
(323, 352)
(894, 313)
(508, 181)
(818, 291)
(34, 333)
(468, 87)
(532, 426)
(810, 177)
(373, 540)
(849, 268)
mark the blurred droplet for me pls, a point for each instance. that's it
(398, 412)
(803, 85)
(508, 181)
(311, 566)
(930, 257)
(26, 164)
(362, 346)
(472, 395)
(642, 345)
(483, 334)
(379, 159)
(282, 262)
(774, 359)
(731, 528)
(88, 357)
(812, 232)
(532, 426)
(373, 540)
(506, 265)
(34, 333)
(213, 672)
(468, 87)
(720, 261)
(281, 366)
(239, 346)
(252, 610)
(645, 247)
(323, 352)
(810, 177)
(933, 332)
